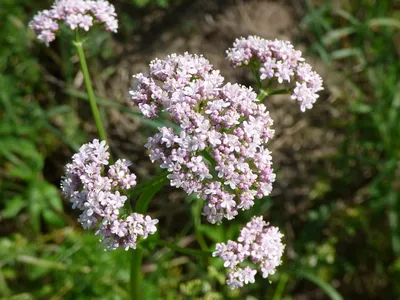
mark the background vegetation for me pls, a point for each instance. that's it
(342, 235)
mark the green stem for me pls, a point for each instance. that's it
(148, 191)
(263, 93)
(88, 83)
(136, 275)
(280, 289)
(282, 91)
(256, 72)
(196, 211)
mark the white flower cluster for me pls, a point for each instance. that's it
(99, 197)
(220, 150)
(259, 243)
(278, 59)
(75, 14)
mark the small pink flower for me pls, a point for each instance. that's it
(260, 244)
(224, 120)
(99, 197)
(76, 14)
(279, 60)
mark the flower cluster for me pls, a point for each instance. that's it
(219, 150)
(259, 243)
(278, 59)
(76, 14)
(99, 199)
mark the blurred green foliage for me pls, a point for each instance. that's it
(142, 3)
(347, 244)
(358, 41)
(27, 134)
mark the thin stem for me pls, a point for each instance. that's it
(148, 190)
(136, 275)
(263, 93)
(197, 223)
(282, 91)
(280, 289)
(88, 83)
(256, 72)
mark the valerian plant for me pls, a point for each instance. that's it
(217, 148)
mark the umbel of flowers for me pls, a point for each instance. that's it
(96, 193)
(220, 149)
(280, 61)
(75, 14)
(257, 242)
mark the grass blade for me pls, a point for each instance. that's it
(378, 22)
(155, 123)
(337, 34)
(326, 287)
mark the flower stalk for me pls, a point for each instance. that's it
(89, 88)
(137, 254)
(136, 274)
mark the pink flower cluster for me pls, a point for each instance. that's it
(259, 243)
(219, 151)
(76, 14)
(99, 199)
(278, 59)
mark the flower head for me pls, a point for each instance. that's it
(257, 242)
(280, 61)
(99, 197)
(219, 150)
(75, 14)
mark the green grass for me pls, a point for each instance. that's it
(358, 42)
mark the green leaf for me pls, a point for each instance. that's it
(326, 287)
(52, 218)
(26, 161)
(346, 52)
(151, 241)
(140, 3)
(13, 207)
(347, 16)
(35, 206)
(214, 233)
(391, 199)
(153, 188)
(155, 123)
(42, 196)
(390, 22)
(57, 110)
(50, 194)
(141, 187)
(393, 117)
(361, 108)
(337, 34)
(284, 278)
